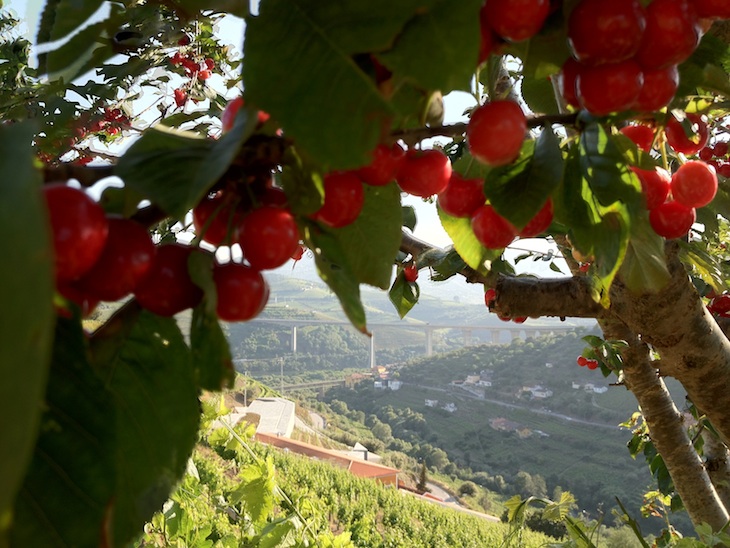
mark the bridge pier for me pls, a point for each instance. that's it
(496, 336)
(429, 341)
(372, 350)
(293, 343)
(467, 336)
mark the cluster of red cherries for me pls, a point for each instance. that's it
(672, 199)
(194, 66)
(587, 362)
(624, 56)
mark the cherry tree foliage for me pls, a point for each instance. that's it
(599, 126)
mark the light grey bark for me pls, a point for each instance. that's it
(717, 463)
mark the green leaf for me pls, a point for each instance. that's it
(70, 485)
(209, 347)
(256, 490)
(175, 169)
(704, 264)
(26, 293)
(604, 167)
(644, 269)
(466, 244)
(300, 68)
(438, 47)
(85, 51)
(371, 243)
(61, 17)
(147, 367)
(469, 167)
(409, 217)
(336, 273)
(519, 190)
(404, 295)
(303, 185)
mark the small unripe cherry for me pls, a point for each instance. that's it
(496, 132)
(694, 184)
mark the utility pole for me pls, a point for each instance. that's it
(245, 389)
(281, 365)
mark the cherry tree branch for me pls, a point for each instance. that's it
(459, 128)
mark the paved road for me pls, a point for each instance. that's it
(516, 406)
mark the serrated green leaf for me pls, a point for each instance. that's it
(71, 482)
(409, 217)
(185, 166)
(371, 243)
(605, 170)
(644, 269)
(26, 291)
(518, 191)
(256, 490)
(59, 18)
(434, 48)
(404, 295)
(210, 351)
(703, 264)
(148, 369)
(336, 273)
(466, 244)
(296, 44)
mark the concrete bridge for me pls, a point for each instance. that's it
(514, 331)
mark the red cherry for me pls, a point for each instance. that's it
(204, 74)
(462, 196)
(520, 319)
(71, 292)
(517, 20)
(496, 132)
(606, 32)
(79, 230)
(209, 63)
(582, 361)
(217, 220)
(167, 289)
(298, 253)
(658, 89)
(694, 184)
(540, 222)
(567, 80)
(410, 273)
(677, 138)
(642, 136)
(242, 292)
(490, 296)
(720, 304)
(712, 9)
(720, 149)
(424, 172)
(343, 199)
(706, 154)
(654, 184)
(491, 229)
(384, 165)
(609, 88)
(184, 41)
(672, 34)
(584, 267)
(124, 262)
(269, 237)
(230, 112)
(592, 364)
(180, 97)
(273, 196)
(672, 219)
(489, 39)
(724, 170)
